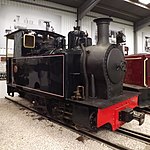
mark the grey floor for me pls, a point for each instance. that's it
(3, 88)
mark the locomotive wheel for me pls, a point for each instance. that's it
(22, 94)
(93, 121)
(50, 108)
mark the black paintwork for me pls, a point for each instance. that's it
(45, 42)
(41, 73)
(144, 97)
(106, 62)
(103, 103)
(8, 70)
(47, 74)
(78, 37)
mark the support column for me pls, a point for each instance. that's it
(135, 43)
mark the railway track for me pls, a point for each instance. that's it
(146, 110)
(93, 136)
(135, 135)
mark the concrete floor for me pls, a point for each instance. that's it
(3, 90)
(24, 130)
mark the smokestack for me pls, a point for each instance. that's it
(103, 30)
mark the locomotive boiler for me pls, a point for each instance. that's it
(81, 86)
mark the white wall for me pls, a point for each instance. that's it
(125, 25)
(3, 88)
(33, 17)
(141, 39)
(62, 21)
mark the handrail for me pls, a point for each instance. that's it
(145, 84)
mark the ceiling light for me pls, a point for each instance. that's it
(146, 2)
(137, 4)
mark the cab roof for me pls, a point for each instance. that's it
(11, 35)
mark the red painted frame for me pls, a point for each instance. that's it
(111, 114)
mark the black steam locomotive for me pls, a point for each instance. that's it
(81, 86)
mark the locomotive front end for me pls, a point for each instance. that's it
(106, 63)
(104, 68)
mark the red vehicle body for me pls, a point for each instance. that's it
(137, 77)
(138, 70)
(113, 113)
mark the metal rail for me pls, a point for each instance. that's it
(145, 110)
(136, 135)
(79, 131)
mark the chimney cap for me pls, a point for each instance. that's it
(103, 20)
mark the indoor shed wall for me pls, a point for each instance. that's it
(62, 19)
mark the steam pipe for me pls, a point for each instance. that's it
(92, 86)
(103, 30)
(85, 71)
